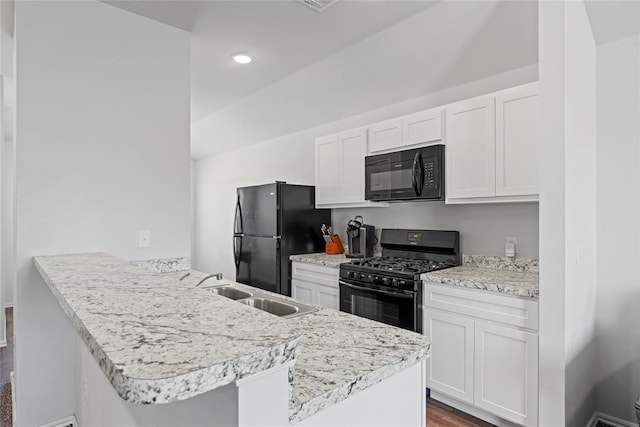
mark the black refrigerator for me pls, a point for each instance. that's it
(272, 222)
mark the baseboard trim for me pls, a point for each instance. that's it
(617, 422)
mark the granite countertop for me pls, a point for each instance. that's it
(517, 277)
(158, 339)
(321, 259)
(157, 342)
(343, 354)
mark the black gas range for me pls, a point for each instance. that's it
(388, 288)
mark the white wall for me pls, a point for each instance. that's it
(102, 138)
(580, 215)
(7, 154)
(291, 159)
(483, 228)
(618, 215)
(567, 215)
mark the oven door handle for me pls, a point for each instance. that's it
(400, 294)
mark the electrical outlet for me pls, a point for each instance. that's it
(511, 247)
(144, 238)
(85, 391)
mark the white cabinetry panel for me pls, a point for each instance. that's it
(405, 132)
(327, 176)
(517, 141)
(470, 152)
(450, 367)
(384, 136)
(506, 368)
(425, 126)
(315, 284)
(353, 149)
(480, 353)
(340, 176)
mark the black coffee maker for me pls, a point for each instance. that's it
(361, 238)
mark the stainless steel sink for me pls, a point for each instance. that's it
(278, 307)
(230, 292)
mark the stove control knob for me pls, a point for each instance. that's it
(370, 277)
(351, 274)
(394, 282)
(361, 276)
(385, 280)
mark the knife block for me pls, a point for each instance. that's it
(335, 247)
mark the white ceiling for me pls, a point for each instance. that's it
(313, 68)
(613, 20)
(282, 35)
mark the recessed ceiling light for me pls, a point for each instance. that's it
(242, 57)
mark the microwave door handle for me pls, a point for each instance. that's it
(417, 167)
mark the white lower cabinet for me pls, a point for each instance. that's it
(451, 363)
(506, 372)
(481, 354)
(315, 284)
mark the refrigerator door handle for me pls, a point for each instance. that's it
(236, 252)
(238, 216)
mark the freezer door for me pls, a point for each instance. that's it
(257, 210)
(258, 262)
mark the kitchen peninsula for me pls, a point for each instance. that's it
(156, 350)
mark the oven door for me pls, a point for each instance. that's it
(393, 307)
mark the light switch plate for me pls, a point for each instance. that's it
(144, 238)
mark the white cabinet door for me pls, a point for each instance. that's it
(327, 169)
(303, 291)
(384, 136)
(353, 149)
(470, 153)
(315, 284)
(506, 372)
(425, 126)
(517, 141)
(450, 367)
(328, 297)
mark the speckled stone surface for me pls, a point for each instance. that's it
(165, 265)
(157, 342)
(154, 339)
(527, 265)
(516, 283)
(321, 259)
(344, 354)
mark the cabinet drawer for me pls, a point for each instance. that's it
(322, 275)
(483, 305)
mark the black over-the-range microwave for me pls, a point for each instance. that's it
(416, 174)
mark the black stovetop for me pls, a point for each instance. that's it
(399, 265)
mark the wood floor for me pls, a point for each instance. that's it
(6, 366)
(441, 415)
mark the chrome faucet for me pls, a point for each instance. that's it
(218, 276)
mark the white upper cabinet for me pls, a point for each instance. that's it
(422, 127)
(470, 152)
(353, 149)
(328, 175)
(517, 137)
(492, 147)
(385, 136)
(340, 176)
(405, 132)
